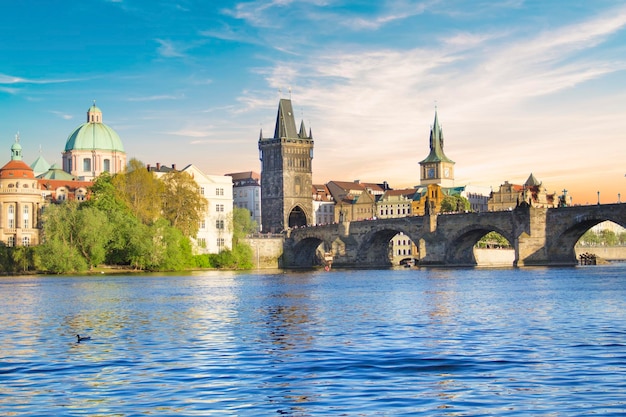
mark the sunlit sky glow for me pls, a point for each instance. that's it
(520, 86)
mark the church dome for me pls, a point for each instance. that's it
(94, 135)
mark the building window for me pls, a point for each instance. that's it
(202, 190)
(202, 242)
(219, 207)
(25, 218)
(87, 164)
(219, 224)
(220, 242)
(219, 191)
(26, 241)
(11, 241)
(107, 165)
(11, 217)
(203, 224)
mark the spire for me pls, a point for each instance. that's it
(285, 122)
(302, 132)
(436, 143)
(261, 134)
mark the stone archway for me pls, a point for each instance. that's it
(297, 217)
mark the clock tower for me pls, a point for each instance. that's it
(437, 168)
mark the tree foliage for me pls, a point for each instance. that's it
(140, 190)
(455, 203)
(183, 205)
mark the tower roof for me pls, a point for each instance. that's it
(94, 135)
(436, 144)
(16, 168)
(532, 181)
(285, 122)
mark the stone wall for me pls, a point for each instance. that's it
(610, 253)
(266, 251)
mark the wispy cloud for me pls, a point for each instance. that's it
(169, 49)
(386, 96)
(62, 115)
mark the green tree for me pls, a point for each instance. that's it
(242, 224)
(454, 203)
(183, 205)
(140, 190)
(84, 231)
(493, 240)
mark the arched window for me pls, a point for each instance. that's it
(26, 241)
(11, 241)
(107, 165)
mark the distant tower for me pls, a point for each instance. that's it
(286, 173)
(437, 168)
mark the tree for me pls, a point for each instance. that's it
(183, 205)
(455, 203)
(140, 190)
(242, 224)
(71, 231)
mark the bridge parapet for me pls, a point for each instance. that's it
(539, 236)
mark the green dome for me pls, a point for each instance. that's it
(94, 136)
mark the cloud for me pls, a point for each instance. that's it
(376, 104)
(169, 49)
(62, 115)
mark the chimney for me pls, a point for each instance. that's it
(158, 166)
(148, 166)
(174, 167)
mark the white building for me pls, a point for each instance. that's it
(215, 232)
(216, 229)
(247, 193)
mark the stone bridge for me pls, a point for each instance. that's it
(539, 236)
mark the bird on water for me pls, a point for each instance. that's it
(80, 339)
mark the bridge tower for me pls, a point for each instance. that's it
(437, 168)
(286, 173)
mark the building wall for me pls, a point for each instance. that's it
(215, 233)
(20, 209)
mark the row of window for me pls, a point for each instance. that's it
(11, 241)
(219, 224)
(218, 191)
(202, 242)
(25, 217)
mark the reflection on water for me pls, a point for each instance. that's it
(396, 342)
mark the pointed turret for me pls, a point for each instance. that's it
(436, 144)
(302, 132)
(285, 122)
(16, 149)
(532, 181)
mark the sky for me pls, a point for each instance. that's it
(519, 86)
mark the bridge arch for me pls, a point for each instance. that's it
(307, 252)
(561, 247)
(374, 248)
(460, 246)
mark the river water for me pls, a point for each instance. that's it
(406, 342)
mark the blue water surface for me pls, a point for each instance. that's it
(406, 342)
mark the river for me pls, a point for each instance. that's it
(404, 342)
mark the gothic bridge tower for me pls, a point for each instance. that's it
(286, 173)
